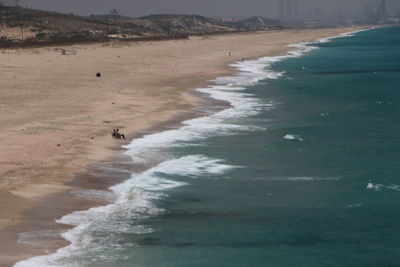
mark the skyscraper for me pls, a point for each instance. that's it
(295, 9)
(382, 9)
(288, 9)
(282, 11)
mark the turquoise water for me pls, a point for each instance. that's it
(302, 170)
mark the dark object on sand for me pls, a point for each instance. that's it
(98, 74)
(117, 135)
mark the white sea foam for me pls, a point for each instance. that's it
(134, 198)
(224, 122)
(221, 123)
(343, 35)
(134, 203)
(35, 237)
(293, 137)
(381, 187)
(301, 179)
(305, 179)
(193, 166)
(372, 186)
(354, 206)
(95, 194)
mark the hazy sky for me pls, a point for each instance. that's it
(135, 8)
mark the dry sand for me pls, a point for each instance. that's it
(57, 116)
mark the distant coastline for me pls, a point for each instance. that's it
(24, 27)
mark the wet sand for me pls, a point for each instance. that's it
(57, 117)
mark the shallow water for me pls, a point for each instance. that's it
(301, 170)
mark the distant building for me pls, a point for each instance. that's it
(368, 13)
(381, 12)
(7, 2)
(115, 14)
(288, 10)
(295, 9)
(282, 8)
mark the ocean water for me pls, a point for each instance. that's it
(301, 170)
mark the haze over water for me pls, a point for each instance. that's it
(301, 170)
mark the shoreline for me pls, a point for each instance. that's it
(171, 115)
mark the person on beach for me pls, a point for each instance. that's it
(117, 135)
(120, 135)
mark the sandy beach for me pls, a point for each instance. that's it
(57, 116)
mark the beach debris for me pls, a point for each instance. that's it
(98, 75)
(113, 103)
(106, 121)
(230, 53)
(65, 52)
(58, 144)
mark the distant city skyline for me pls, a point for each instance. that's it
(215, 8)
